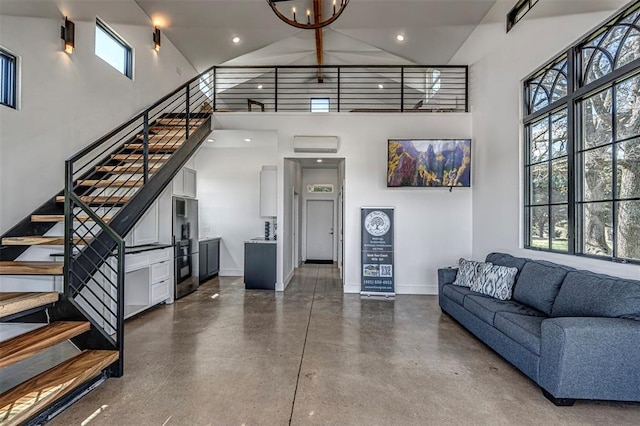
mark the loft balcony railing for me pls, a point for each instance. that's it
(348, 88)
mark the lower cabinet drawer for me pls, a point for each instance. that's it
(160, 291)
(160, 272)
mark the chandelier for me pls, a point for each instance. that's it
(309, 14)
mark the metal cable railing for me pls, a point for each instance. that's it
(346, 88)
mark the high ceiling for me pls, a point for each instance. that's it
(365, 33)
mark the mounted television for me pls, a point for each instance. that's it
(429, 163)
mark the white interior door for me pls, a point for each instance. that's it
(320, 229)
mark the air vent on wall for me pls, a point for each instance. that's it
(315, 144)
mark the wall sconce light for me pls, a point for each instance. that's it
(68, 34)
(156, 39)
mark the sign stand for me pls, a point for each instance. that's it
(377, 251)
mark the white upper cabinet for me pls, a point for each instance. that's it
(184, 183)
(268, 191)
(146, 230)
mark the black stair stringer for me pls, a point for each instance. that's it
(26, 228)
(94, 254)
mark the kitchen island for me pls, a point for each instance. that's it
(260, 264)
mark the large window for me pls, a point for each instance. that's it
(8, 80)
(582, 146)
(113, 49)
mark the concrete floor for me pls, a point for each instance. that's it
(315, 356)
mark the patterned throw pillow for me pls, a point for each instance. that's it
(468, 271)
(495, 281)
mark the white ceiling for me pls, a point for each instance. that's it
(365, 33)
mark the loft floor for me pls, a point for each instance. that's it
(315, 356)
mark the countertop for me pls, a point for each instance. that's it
(261, 240)
(146, 247)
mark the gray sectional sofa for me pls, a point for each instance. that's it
(575, 333)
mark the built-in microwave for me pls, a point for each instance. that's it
(181, 207)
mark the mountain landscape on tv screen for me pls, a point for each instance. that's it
(429, 163)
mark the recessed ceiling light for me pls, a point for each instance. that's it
(210, 140)
(380, 86)
(260, 86)
(247, 139)
(236, 39)
(400, 37)
(319, 160)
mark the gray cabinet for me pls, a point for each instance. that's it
(260, 265)
(209, 258)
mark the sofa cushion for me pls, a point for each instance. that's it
(585, 294)
(485, 307)
(524, 329)
(468, 271)
(495, 281)
(456, 293)
(538, 284)
(504, 259)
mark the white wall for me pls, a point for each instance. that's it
(319, 176)
(495, 83)
(228, 186)
(68, 101)
(433, 226)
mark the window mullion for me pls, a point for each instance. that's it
(550, 180)
(614, 172)
(572, 126)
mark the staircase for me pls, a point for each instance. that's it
(62, 294)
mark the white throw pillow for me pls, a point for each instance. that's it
(495, 281)
(468, 271)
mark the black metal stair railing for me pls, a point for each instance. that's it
(342, 88)
(108, 187)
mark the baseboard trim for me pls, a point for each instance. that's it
(231, 272)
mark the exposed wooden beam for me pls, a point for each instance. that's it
(317, 13)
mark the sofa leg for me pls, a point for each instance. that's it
(559, 402)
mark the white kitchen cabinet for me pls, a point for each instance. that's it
(268, 191)
(148, 279)
(189, 182)
(146, 231)
(184, 183)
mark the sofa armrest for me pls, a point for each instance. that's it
(446, 276)
(590, 358)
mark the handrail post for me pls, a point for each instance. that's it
(68, 226)
(187, 99)
(145, 148)
(401, 89)
(275, 92)
(120, 319)
(215, 77)
(339, 88)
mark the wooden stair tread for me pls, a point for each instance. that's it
(161, 146)
(29, 398)
(13, 303)
(102, 183)
(28, 344)
(54, 218)
(106, 199)
(30, 268)
(179, 121)
(139, 157)
(37, 240)
(127, 168)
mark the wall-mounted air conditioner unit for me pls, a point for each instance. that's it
(315, 144)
